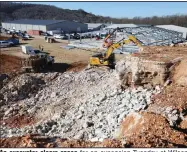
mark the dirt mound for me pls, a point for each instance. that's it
(162, 53)
(77, 66)
(37, 141)
(180, 74)
(18, 121)
(9, 63)
(11, 142)
(151, 130)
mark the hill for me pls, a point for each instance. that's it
(12, 11)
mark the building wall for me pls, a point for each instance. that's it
(68, 26)
(24, 27)
(27, 27)
(4, 25)
(17, 26)
(43, 28)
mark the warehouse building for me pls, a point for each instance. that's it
(181, 29)
(45, 25)
(96, 26)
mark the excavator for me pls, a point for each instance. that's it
(108, 58)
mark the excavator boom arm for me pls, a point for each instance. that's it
(114, 46)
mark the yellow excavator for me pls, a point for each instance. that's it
(107, 58)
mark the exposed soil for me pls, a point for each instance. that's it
(183, 124)
(19, 121)
(162, 53)
(180, 74)
(151, 130)
(37, 141)
(77, 66)
(172, 96)
(9, 63)
(12, 64)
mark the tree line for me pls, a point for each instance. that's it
(13, 11)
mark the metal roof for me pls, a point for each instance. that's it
(174, 27)
(121, 25)
(34, 21)
(125, 25)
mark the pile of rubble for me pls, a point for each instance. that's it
(88, 105)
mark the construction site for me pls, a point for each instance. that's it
(127, 89)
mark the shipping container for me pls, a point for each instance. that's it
(34, 32)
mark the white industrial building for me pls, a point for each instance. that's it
(45, 25)
(96, 26)
(175, 28)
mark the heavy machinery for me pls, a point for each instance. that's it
(36, 61)
(108, 58)
(33, 64)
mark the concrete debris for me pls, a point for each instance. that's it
(139, 71)
(21, 88)
(88, 105)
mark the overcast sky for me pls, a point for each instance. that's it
(125, 9)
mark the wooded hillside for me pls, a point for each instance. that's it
(12, 11)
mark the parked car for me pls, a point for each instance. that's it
(27, 36)
(13, 41)
(20, 34)
(4, 44)
(76, 36)
(59, 36)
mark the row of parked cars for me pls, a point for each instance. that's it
(21, 34)
(8, 41)
(74, 36)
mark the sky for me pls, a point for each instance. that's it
(125, 9)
